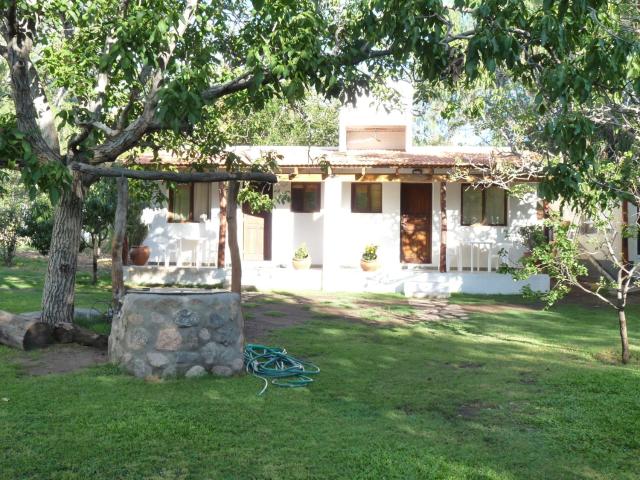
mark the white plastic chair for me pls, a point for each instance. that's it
(457, 253)
(168, 249)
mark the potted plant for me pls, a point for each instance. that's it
(301, 258)
(137, 232)
(369, 260)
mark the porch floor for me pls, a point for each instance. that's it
(412, 282)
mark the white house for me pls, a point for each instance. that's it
(435, 235)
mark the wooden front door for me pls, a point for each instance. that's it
(256, 237)
(415, 222)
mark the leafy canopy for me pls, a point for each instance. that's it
(122, 75)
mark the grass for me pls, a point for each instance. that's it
(21, 286)
(515, 394)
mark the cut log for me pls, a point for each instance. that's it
(63, 333)
(69, 332)
(23, 332)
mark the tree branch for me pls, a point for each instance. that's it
(100, 92)
(184, 177)
(232, 86)
(128, 138)
(34, 115)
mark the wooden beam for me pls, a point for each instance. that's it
(371, 177)
(443, 227)
(178, 177)
(301, 177)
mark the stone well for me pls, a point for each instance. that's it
(168, 333)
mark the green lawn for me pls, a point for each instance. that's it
(507, 395)
(21, 286)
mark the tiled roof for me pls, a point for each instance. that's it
(300, 156)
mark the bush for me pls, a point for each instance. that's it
(38, 224)
(13, 208)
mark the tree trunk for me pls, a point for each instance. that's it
(10, 253)
(236, 265)
(222, 231)
(24, 332)
(117, 244)
(59, 285)
(95, 251)
(624, 339)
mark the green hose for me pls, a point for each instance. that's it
(275, 364)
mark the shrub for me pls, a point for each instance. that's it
(38, 224)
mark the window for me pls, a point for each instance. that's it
(305, 197)
(487, 206)
(366, 197)
(190, 202)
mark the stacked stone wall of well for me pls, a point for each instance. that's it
(173, 335)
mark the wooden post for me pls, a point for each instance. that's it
(625, 239)
(443, 227)
(545, 215)
(222, 231)
(119, 228)
(234, 248)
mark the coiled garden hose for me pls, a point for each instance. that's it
(275, 364)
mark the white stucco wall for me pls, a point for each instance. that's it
(350, 232)
(359, 229)
(290, 229)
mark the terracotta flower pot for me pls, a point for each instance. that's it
(302, 264)
(369, 266)
(139, 255)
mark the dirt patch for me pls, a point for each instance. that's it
(501, 308)
(528, 378)
(265, 312)
(470, 365)
(60, 359)
(258, 311)
(469, 411)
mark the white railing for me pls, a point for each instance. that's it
(495, 252)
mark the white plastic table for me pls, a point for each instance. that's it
(491, 247)
(193, 244)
